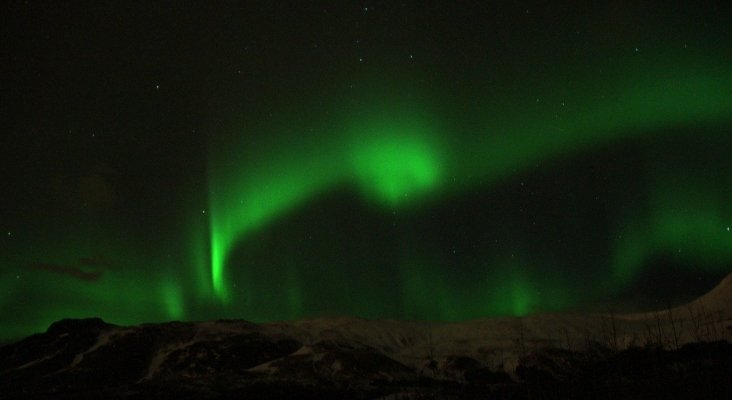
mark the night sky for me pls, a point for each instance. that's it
(409, 160)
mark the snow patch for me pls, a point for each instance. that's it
(102, 340)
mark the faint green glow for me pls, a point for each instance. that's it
(173, 300)
(507, 288)
(199, 259)
(521, 298)
(294, 295)
(132, 287)
(631, 102)
(120, 298)
(686, 221)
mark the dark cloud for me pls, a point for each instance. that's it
(68, 270)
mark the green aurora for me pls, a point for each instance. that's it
(542, 180)
(402, 156)
(403, 153)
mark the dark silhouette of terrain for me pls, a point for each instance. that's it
(680, 353)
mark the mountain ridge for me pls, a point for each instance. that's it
(210, 358)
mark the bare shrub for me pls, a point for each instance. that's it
(609, 332)
(520, 340)
(564, 332)
(696, 322)
(677, 325)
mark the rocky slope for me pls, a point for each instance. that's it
(541, 356)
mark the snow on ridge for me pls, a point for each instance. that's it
(104, 338)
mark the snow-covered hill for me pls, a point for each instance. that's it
(340, 356)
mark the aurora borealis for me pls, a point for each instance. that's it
(379, 160)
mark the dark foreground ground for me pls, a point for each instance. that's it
(82, 359)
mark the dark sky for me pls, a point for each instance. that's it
(429, 160)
